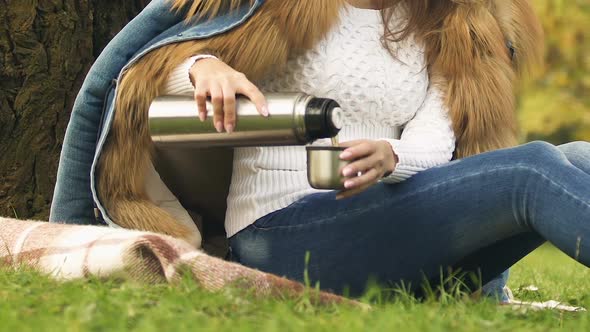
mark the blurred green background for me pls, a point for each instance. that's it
(555, 102)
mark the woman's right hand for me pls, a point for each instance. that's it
(212, 77)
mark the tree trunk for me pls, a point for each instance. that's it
(46, 49)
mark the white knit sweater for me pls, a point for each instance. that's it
(378, 92)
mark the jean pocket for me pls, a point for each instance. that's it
(268, 221)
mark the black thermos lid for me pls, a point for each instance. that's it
(318, 119)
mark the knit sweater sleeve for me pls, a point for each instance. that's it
(427, 140)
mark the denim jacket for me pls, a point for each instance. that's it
(75, 200)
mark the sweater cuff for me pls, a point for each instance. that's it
(179, 81)
(406, 166)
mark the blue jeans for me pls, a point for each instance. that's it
(478, 215)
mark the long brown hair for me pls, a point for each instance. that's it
(424, 19)
(467, 56)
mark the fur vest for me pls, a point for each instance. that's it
(468, 58)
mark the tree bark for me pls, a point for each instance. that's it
(46, 49)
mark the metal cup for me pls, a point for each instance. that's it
(324, 167)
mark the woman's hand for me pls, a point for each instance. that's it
(373, 159)
(214, 78)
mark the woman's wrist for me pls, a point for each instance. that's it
(391, 158)
(179, 81)
(194, 60)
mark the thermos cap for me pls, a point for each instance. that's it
(337, 118)
(323, 118)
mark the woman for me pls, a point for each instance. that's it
(411, 212)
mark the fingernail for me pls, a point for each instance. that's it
(265, 111)
(219, 126)
(347, 172)
(202, 116)
(345, 155)
(348, 184)
(229, 128)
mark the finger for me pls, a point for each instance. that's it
(229, 107)
(361, 165)
(348, 144)
(349, 193)
(368, 178)
(352, 192)
(217, 106)
(360, 150)
(250, 90)
(201, 92)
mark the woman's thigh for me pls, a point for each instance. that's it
(444, 217)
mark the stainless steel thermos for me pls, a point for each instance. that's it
(295, 119)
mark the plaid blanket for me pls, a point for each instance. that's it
(69, 252)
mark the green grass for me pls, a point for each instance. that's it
(30, 302)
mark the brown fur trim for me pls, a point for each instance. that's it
(202, 8)
(472, 59)
(289, 26)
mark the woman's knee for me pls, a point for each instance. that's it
(578, 154)
(538, 153)
(576, 149)
(536, 159)
(545, 158)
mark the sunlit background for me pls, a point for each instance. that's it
(555, 104)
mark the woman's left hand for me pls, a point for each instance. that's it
(373, 159)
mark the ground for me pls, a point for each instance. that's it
(30, 302)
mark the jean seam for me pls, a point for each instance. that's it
(392, 200)
(351, 212)
(575, 197)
